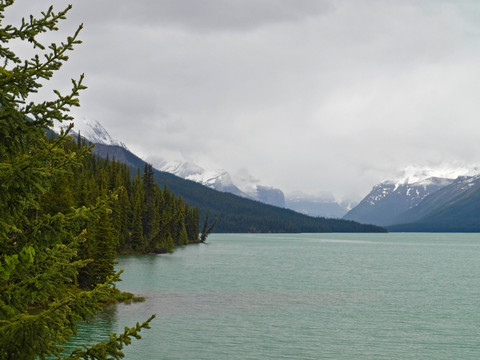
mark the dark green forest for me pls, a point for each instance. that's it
(140, 217)
(236, 214)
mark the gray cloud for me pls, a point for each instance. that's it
(307, 95)
(205, 15)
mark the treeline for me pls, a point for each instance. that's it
(140, 217)
(234, 213)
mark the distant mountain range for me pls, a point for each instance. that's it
(432, 204)
(415, 203)
(324, 205)
(221, 180)
(247, 186)
(242, 184)
(234, 213)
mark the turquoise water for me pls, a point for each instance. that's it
(305, 296)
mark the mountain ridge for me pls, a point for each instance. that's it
(235, 213)
(388, 200)
(241, 184)
(453, 208)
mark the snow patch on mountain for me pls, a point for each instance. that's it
(416, 182)
(191, 171)
(216, 179)
(389, 199)
(91, 130)
(416, 191)
(182, 169)
(466, 182)
(416, 174)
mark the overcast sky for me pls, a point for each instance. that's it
(309, 95)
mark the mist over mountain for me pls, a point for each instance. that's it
(317, 205)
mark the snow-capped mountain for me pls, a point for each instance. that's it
(215, 179)
(182, 169)
(221, 180)
(91, 130)
(387, 200)
(241, 183)
(459, 197)
(415, 173)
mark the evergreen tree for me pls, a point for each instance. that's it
(150, 214)
(121, 215)
(104, 251)
(40, 301)
(137, 239)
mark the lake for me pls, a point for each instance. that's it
(304, 296)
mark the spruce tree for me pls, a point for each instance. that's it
(40, 301)
(137, 239)
(104, 249)
(149, 214)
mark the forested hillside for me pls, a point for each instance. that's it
(234, 213)
(141, 218)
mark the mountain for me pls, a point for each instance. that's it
(269, 195)
(244, 185)
(216, 193)
(324, 205)
(235, 213)
(91, 130)
(241, 184)
(215, 179)
(455, 207)
(388, 200)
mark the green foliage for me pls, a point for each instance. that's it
(143, 217)
(111, 349)
(127, 215)
(104, 252)
(47, 235)
(142, 214)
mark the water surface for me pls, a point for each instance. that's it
(305, 296)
